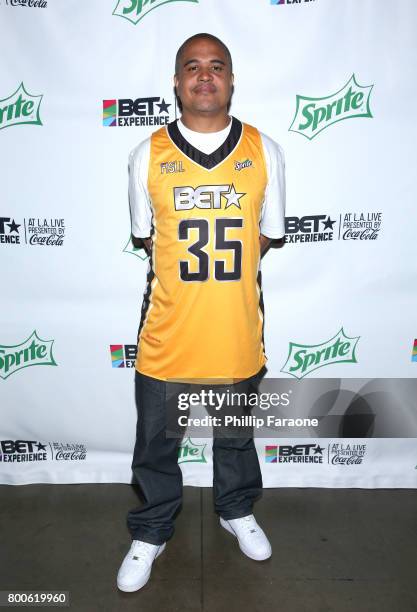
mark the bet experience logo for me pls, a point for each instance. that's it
(300, 453)
(313, 115)
(320, 228)
(19, 451)
(304, 358)
(142, 111)
(21, 107)
(311, 228)
(31, 352)
(338, 453)
(135, 10)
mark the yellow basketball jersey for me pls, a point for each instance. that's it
(202, 313)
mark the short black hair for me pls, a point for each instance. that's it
(195, 37)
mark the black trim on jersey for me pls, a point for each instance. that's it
(261, 306)
(211, 160)
(148, 291)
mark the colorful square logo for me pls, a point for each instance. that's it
(109, 113)
(414, 352)
(271, 454)
(117, 356)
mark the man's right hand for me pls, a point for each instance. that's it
(142, 243)
(148, 245)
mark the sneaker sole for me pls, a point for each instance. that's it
(228, 528)
(138, 585)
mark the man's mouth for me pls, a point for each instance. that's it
(204, 89)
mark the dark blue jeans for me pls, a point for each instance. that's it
(237, 478)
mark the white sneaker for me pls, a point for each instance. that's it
(252, 540)
(135, 570)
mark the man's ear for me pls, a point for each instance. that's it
(175, 81)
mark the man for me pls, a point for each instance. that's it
(207, 193)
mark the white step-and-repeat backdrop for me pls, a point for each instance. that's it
(82, 82)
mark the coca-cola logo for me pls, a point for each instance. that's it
(342, 453)
(45, 232)
(70, 456)
(340, 460)
(28, 3)
(69, 451)
(52, 240)
(361, 226)
(366, 234)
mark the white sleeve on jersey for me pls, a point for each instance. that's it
(273, 209)
(139, 200)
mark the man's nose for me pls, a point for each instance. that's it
(205, 75)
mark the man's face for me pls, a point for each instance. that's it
(204, 80)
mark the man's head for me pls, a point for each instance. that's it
(203, 75)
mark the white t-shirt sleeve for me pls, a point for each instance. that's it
(139, 200)
(272, 222)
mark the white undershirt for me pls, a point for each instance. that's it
(207, 142)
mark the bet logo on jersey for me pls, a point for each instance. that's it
(207, 196)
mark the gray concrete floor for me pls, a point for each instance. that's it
(334, 550)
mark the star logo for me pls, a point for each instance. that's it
(319, 449)
(41, 446)
(328, 224)
(163, 107)
(14, 226)
(233, 197)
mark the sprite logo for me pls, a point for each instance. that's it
(135, 10)
(190, 452)
(31, 352)
(313, 115)
(304, 358)
(20, 107)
